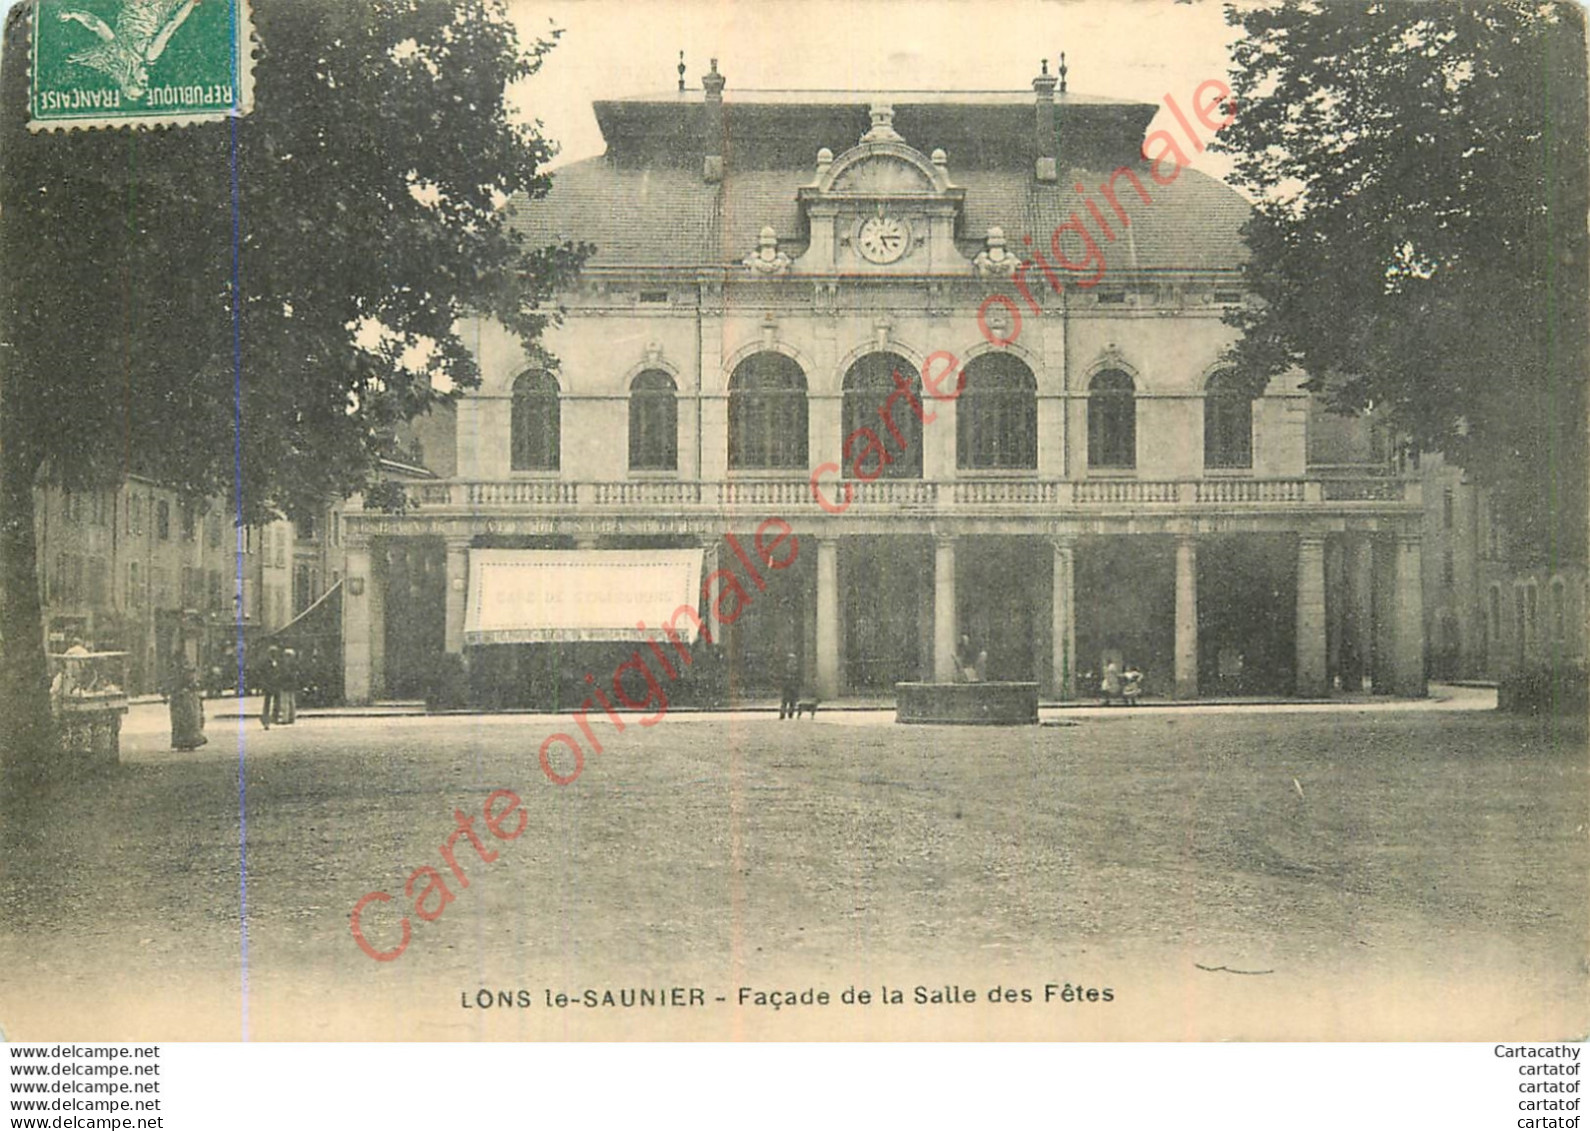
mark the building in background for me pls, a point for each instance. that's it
(1487, 615)
(134, 568)
(775, 273)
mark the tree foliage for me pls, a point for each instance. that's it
(1419, 239)
(349, 222)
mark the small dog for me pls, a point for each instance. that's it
(809, 705)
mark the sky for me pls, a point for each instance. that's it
(1138, 49)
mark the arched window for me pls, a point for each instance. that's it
(1112, 420)
(534, 428)
(1559, 610)
(653, 422)
(996, 417)
(1228, 422)
(767, 413)
(874, 402)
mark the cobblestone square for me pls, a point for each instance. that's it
(1257, 872)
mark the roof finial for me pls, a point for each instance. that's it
(1045, 65)
(681, 72)
(882, 124)
(1062, 70)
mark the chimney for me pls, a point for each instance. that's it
(1043, 87)
(712, 167)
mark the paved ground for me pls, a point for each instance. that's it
(1364, 870)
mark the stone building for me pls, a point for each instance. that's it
(135, 568)
(1486, 615)
(984, 319)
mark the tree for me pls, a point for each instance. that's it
(250, 307)
(1419, 239)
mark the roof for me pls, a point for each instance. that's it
(645, 202)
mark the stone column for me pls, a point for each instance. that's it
(808, 581)
(356, 624)
(828, 659)
(1064, 636)
(709, 566)
(944, 609)
(1186, 617)
(457, 581)
(375, 595)
(1310, 615)
(1407, 677)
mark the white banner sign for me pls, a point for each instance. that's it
(532, 596)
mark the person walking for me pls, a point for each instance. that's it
(270, 680)
(790, 688)
(287, 692)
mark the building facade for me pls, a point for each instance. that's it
(967, 346)
(1486, 617)
(135, 568)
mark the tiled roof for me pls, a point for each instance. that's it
(670, 217)
(646, 204)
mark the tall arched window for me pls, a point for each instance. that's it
(767, 413)
(873, 401)
(996, 416)
(534, 427)
(1228, 422)
(1559, 610)
(1112, 420)
(653, 422)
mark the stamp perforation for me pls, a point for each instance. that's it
(242, 48)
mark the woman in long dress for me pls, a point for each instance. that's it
(187, 710)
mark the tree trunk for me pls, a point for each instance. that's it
(26, 728)
(27, 740)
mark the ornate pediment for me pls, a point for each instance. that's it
(881, 164)
(881, 206)
(883, 175)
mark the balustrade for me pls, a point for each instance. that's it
(1250, 491)
(911, 494)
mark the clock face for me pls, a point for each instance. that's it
(883, 239)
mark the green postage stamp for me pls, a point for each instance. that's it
(138, 62)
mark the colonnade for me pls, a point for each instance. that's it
(1383, 568)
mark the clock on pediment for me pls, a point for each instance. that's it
(883, 238)
(881, 205)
